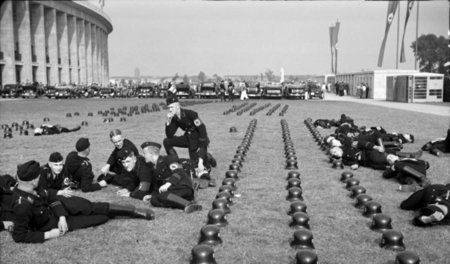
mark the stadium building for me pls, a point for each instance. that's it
(54, 42)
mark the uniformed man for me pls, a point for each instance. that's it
(54, 176)
(113, 166)
(407, 171)
(7, 183)
(173, 186)
(230, 90)
(438, 146)
(195, 138)
(222, 90)
(47, 129)
(80, 168)
(136, 177)
(41, 215)
(432, 204)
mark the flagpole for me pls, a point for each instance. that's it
(398, 32)
(417, 30)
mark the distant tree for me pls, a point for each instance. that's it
(269, 75)
(216, 77)
(176, 76)
(186, 79)
(432, 52)
(201, 76)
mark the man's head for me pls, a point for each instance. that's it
(116, 138)
(83, 146)
(55, 162)
(127, 158)
(173, 104)
(151, 151)
(28, 173)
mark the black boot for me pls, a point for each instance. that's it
(211, 159)
(414, 155)
(188, 206)
(131, 211)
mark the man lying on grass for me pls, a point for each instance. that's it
(41, 215)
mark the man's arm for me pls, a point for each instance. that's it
(84, 173)
(22, 232)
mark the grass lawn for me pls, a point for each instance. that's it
(258, 229)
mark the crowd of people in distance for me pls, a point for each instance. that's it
(375, 148)
(41, 202)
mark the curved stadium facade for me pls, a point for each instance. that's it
(53, 42)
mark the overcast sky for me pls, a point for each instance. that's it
(250, 37)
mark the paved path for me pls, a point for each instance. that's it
(429, 108)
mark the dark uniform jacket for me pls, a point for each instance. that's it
(402, 175)
(53, 183)
(194, 128)
(434, 193)
(113, 160)
(35, 214)
(80, 172)
(137, 181)
(173, 173)
(6, 199)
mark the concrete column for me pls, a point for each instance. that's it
(104, 54)
(81, 40)
(107, 57)
(72, 38)
(38, 41)
(63, 45)
(7, 43)
(94, 54)
(88, 38)
(21, 9)
(100, 55)
(51, 42)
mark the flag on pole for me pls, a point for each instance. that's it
(392, 7)
(282, 75)
(408, 11)
(331, 47)
(335, 36)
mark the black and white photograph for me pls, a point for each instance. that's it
(204, 132)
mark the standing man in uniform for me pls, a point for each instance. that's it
(80, 168)
(195, 138)
(113, 166)
(230, 90)
(222, 91)
(173, 186)
(41, 215)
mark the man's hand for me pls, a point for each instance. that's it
(54, 233)
(169, 118)
(147, 198)
(62, 225)
(123, 193)
(103, 183)
(67, 192)
(379, 148)
(164, 187)
(105, 169)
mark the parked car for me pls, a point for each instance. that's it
(315, 91)
(145, 91)
(50, 91)
(11, 90)
(254, 90)
(272, 91)
(62, 93)
(184, 90)
(295, 91)
(208, 90)
(106, 92)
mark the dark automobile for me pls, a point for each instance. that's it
(184, 90)
(272, 91)
(145, 91)
(106, 93)
(254, 90)
(30, 91)
(208, 90)
(295, 91)
(315, 91)
(11, 91)
(162, 90)
(62, 92)
(50, 91)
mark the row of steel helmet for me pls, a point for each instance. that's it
(22, 129)
(391, 239)
(235, 108)
(203, 252)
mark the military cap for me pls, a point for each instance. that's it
(150, 144)
(82, 144)
(171, 99)
(124, 153)
(28, 171)
(55, 157)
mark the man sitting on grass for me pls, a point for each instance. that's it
(41, 215)
(172, 185)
